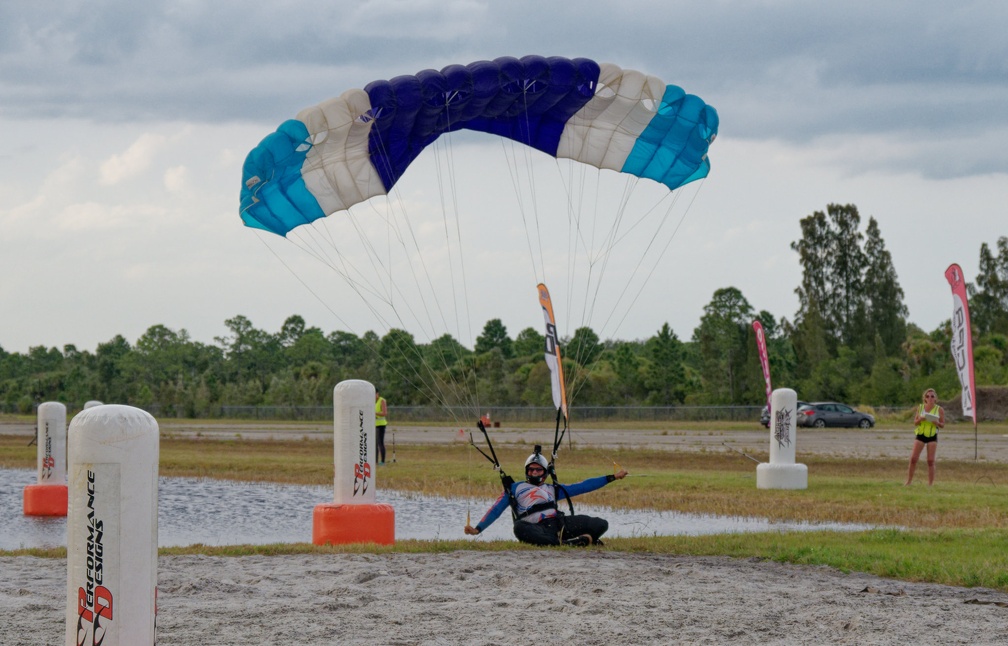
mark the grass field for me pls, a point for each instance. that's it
(952, 533)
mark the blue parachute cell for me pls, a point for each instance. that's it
(356, 146)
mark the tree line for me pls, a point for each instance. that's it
(849, 340)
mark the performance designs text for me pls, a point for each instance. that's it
(94, 600)
(362, 470)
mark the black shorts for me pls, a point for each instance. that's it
(926, 439)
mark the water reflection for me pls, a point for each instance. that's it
(219, 512)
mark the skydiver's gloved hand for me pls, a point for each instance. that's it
(619, 475)
(472, 531)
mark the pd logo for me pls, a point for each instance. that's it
(94, 606)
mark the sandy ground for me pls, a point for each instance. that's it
(591, 596)
(555, 596)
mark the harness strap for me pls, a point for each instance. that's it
(507, 481)
(541, 506)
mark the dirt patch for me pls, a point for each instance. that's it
(591, 597)
(991, 405)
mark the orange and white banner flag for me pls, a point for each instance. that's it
(553, 352)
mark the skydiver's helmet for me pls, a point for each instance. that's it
(536, 458)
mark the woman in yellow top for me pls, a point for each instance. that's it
(929, 418)
(380, 413)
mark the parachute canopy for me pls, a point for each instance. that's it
(354, 147)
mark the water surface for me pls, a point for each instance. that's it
(221, 512)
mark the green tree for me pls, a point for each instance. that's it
(444, 352)
(628, 362)
(349, 353)
(849, 297)
(849, 265)
(110, 358)
(580, 354)
(493, 379)
(494, 335)
(886, 311)
(665, 374)
(404, 379)
(833, 269)
(309, 346)
(529, 342)
(291, 331)
(723, 337)
(815, 283)
(160, 354)
(989, 296)
(584, 347)
(252, 354)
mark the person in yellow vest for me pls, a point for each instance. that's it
(381, 421)
(929, 418)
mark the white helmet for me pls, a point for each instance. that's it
(536, 458)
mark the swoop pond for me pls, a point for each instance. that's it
(222, 512)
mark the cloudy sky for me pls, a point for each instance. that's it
(124, 124)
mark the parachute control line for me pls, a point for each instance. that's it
(353, 516)
(506, 480)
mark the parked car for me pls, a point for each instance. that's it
(764, 417)
(821, 414)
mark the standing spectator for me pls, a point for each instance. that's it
(381, 421)
(929, 418)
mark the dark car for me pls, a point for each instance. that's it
(822, 414)
(764, 417)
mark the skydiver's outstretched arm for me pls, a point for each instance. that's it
(591, 484)
(490, 516)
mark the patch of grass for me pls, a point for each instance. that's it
(953, 557)
(967, 558)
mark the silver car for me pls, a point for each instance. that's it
(822, 414)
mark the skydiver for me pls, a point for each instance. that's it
(534, 503)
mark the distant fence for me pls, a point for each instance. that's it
(503, 414)
(511, 414)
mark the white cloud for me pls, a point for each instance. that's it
(91, 216)
(176, 178)
(133, 161)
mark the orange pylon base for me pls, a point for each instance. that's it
(342, 524)
(45, 500)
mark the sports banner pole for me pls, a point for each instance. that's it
(962, 345)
